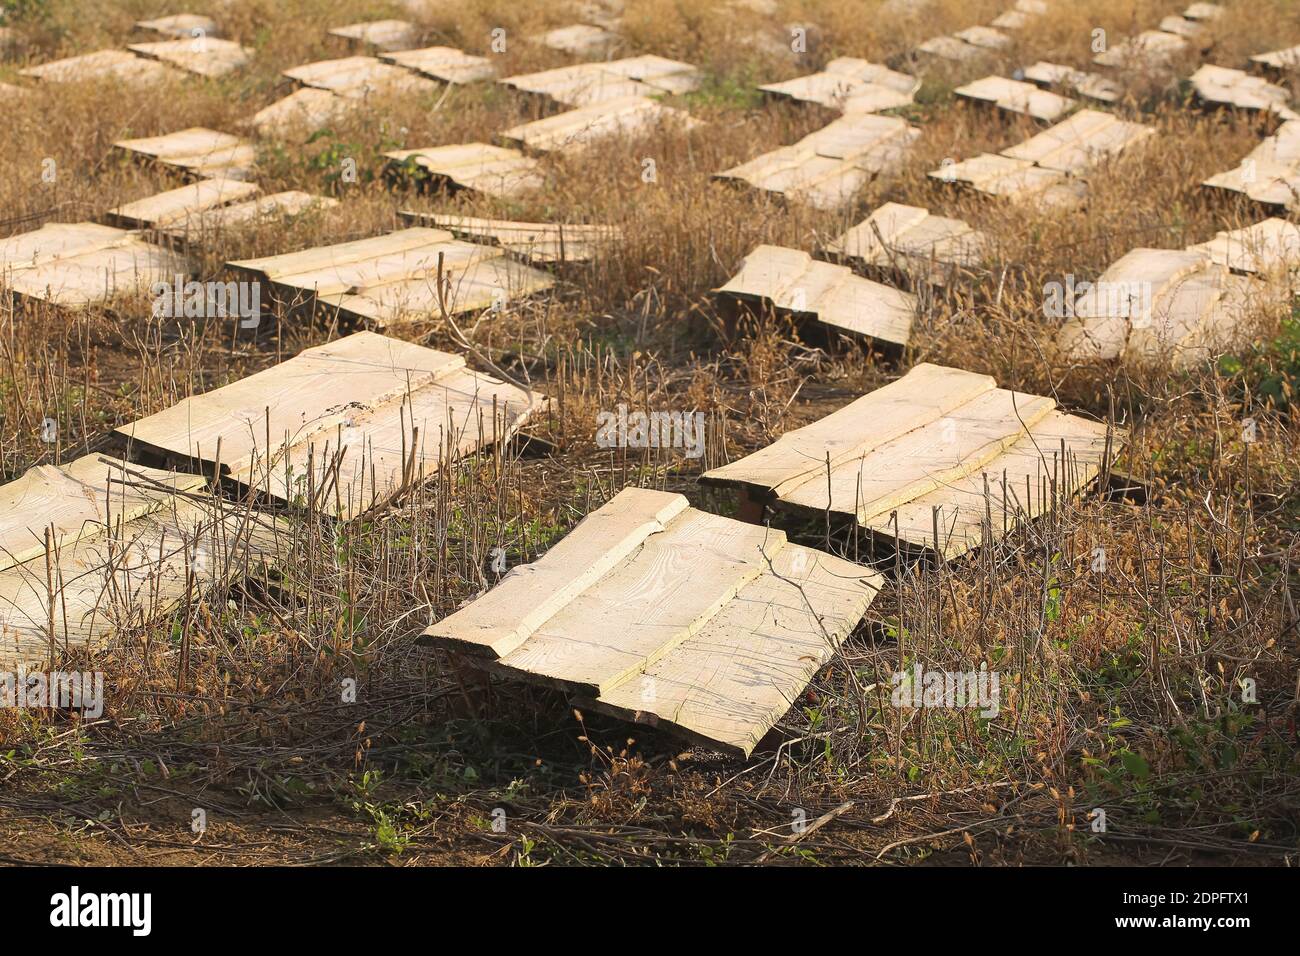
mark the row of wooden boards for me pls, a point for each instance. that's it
(102, 543)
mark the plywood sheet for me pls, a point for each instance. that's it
(342, 427)
(491, 170)
(665, 615)
(444, 63)
(540, 242)
(204, 56)
(76, 265)
(792, 281)
(1015, 96)
(578, 129)
(390, 279)
(199, 151)
(927, 441)
(827, 168)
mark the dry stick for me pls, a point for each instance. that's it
(812, 828)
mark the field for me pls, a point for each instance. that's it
(1160, 686)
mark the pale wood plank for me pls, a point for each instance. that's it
(647, 606)
(1018, 485)
(526, 598)
(383, 35)
(925, 394)
(587, 125)
(175, 204)
(204, 56)
(78, 499)
(444, 63)
(732, 681)
(535, 241)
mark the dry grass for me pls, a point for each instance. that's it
(1123, 686)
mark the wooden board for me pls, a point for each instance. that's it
(198, 151)
(58, 505)
(342, 427)
(203, 56)
(541, 242)
(202, 227)
(986, 38)
(390, 279)
(302, 112)
(920, 443)
(827, 168)
(1159, 305)
(76, 265)
(1019, 16)
(445, 64)
(1083, 141)
(662, 614)
(792, 281)
(1014, 179)
(1271, 247)
(578, 129)
(381, 35)
(358, 76)
(1151, 49)
(851, 85)
(1015, 96)
(950, 48)
(910, 239)
(585, 83)
(179, 204)
(1270, 173)
(491, 170)
(116, 65)
(581, 39)
(1219, 86)
(126, 544)
(1286, 60)
(1070, 80)
(181, 25)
